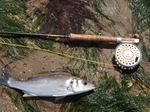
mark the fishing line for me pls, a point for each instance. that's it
(58, 53)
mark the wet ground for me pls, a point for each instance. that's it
(30, 66)
(66, 15)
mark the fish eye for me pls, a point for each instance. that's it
(85, 83)
(71, 82)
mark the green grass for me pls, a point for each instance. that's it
(109, 96)
(140, 12)
(20, 102)
(13, 19)
(141, 19)
(89, 53)
(10, 20)
(113, 96)
(9, 12)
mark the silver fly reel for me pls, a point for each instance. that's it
(127, 55)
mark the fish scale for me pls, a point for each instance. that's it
(44, 86)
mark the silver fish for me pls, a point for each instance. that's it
(57, 86)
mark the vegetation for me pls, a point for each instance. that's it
(22, 103)
(131, 93)
(128, 93)
(109, 96)
(142, 24)
(11, 19)
(14, 19)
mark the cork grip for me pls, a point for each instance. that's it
(97, 38)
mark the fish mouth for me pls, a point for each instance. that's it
(93, 88)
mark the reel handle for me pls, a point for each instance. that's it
(97, 38)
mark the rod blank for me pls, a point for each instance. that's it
(79, 37)
(33, 34)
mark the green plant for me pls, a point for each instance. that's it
(109, 97)
(20, 102)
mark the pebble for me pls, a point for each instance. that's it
(136, 35)
(130, 84)
(143, 87)
(25, 65)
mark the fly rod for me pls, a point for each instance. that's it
(127, 55)
(79, 37)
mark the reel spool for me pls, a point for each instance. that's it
(127, 56)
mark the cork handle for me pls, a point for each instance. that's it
(97, 38)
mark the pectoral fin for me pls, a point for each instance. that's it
(26, 94)
(59, 97)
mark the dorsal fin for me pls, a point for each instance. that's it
(30, 78)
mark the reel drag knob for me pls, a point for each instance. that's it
(127, 56)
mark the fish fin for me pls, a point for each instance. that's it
(4, 78)
(26, 94)
(55, 75)
(33, 77)
(59, 97)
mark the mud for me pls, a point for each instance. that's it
(65, 17)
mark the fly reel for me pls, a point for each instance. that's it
(127, 56)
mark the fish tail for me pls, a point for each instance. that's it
(4, 78)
